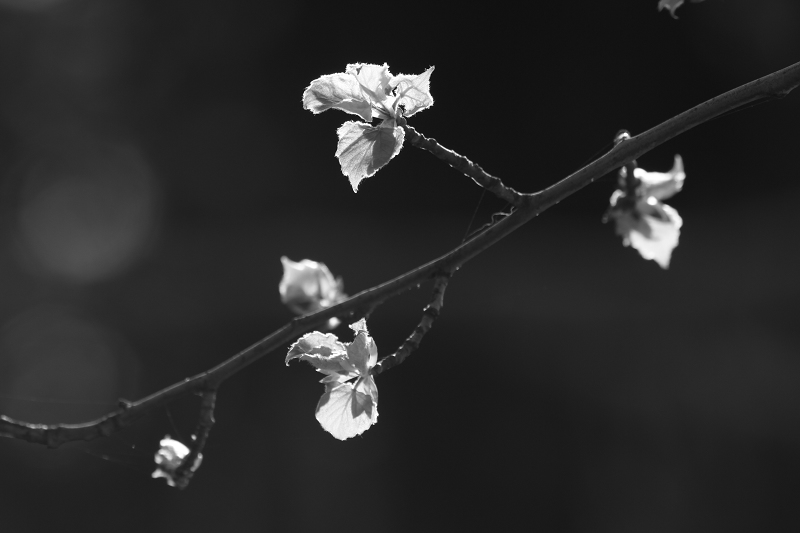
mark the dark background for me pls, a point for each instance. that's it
(156, 162)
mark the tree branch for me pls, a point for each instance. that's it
(184, 473)
(493, 184)
(429, 314)
(775, 85)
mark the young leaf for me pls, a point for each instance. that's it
(364, 149)
(373, 79)
(362, 352)
(345, 411)
(663, 238)
(413, 92)
(653, 230)
(323, 351)
(646, 224)
(369, 91)
(339, 91)
(662, 185)
(350, 403)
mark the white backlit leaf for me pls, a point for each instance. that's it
(413, 92)
(323, 345)
(362, 353)
(339, 91)
(662, 185)
(364, 149)
(345, 411)
(373, 79)
(655, 235)
(360, 325)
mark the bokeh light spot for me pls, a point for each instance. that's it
(90, 219)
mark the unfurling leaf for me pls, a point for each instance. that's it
(318, 348)
(369, 91)
(364, 149)
(413, 92)
(662, 185)
(349, 405)
(374, 82)
(646, 224)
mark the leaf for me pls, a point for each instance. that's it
(360, 325)
(339, 91)
(373, 79)
(324, 345)
(362, 353)
(646, 224)
(654, 234)
(413, 92)
(364, 149)
(662, 185)
(345, 411)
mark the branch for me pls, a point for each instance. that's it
(429, 314)
(183, 474)
(493, 184)
(775, 85)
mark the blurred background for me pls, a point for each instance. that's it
(156, 163)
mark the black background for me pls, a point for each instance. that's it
(156, 162)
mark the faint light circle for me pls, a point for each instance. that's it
(88, 220)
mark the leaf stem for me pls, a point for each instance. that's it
(491, 183)
(429, 314)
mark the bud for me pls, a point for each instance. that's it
(169, 458)
(308, 286)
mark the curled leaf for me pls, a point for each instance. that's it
(662, 185)
(318, 346)
(413, 92)
(373, 79)
(338, 91)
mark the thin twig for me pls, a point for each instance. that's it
(429, 314)
(184, 473)
(493, 184)
(775, 85)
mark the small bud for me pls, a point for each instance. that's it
(169, 458)
(308, 286)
